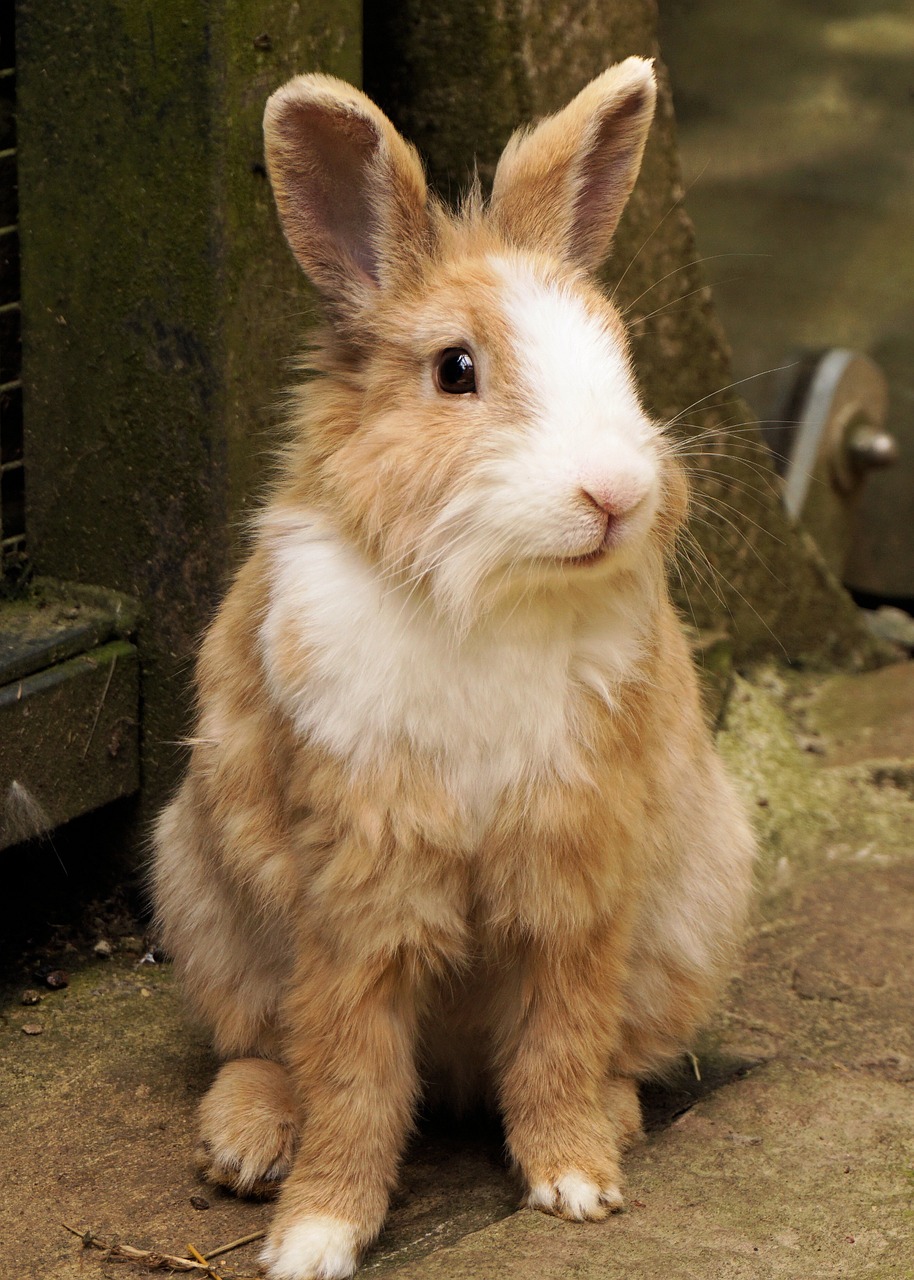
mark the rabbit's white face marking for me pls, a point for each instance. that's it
(586, 445)
(570, 477)
(321, 1248)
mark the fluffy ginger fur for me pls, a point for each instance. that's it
(453, 817)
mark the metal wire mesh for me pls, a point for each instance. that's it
(12, 461)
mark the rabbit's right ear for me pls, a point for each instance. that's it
(562, 186)
(350, 190)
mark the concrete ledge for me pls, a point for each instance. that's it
(69, 740)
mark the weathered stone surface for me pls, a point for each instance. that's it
(52, 621)
(797, 1171)
(867, 718)
(69, 741)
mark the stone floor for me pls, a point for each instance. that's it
(793, 1156)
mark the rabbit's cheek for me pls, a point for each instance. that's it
(540, 508)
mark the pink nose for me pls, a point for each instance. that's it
(615, 499)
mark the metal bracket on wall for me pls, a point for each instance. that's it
(839, 407)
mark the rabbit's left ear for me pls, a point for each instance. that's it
(562, 186)
(350, 191)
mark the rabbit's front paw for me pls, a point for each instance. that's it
(312, 1248)
(248, 1128)
(576, 1197)
(624, 1111)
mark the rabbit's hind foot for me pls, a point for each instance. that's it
(248, 1128)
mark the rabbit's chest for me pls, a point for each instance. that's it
(367, 673)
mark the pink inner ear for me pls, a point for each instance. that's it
(330, 154)
(608, 174)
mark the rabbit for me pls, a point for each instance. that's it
(453, 818)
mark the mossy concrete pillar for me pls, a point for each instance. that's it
(160, 304)
(457, 80)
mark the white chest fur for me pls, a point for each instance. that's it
(373, 668)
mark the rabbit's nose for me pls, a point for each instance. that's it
(615, 498)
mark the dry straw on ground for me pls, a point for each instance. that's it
(153, 1260)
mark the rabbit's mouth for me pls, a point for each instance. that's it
(588, 558)
(615, 533)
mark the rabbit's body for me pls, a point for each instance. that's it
(453, 817)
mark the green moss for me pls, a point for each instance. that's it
(807, 811)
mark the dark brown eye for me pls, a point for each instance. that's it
(454, 371)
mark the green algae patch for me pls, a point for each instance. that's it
(809, 809)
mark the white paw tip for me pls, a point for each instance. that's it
(313, 1249)
(575, 1196)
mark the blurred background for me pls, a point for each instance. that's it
(796, 136)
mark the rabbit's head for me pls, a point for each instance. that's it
(477, 432)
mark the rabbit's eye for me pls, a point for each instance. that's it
(454, 371)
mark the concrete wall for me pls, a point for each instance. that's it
(160, 304)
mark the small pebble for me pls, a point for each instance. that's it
(198, 1202)
(30, 996)
(57, 979)
(890, 624)
(103, 948)
(32, 1028)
